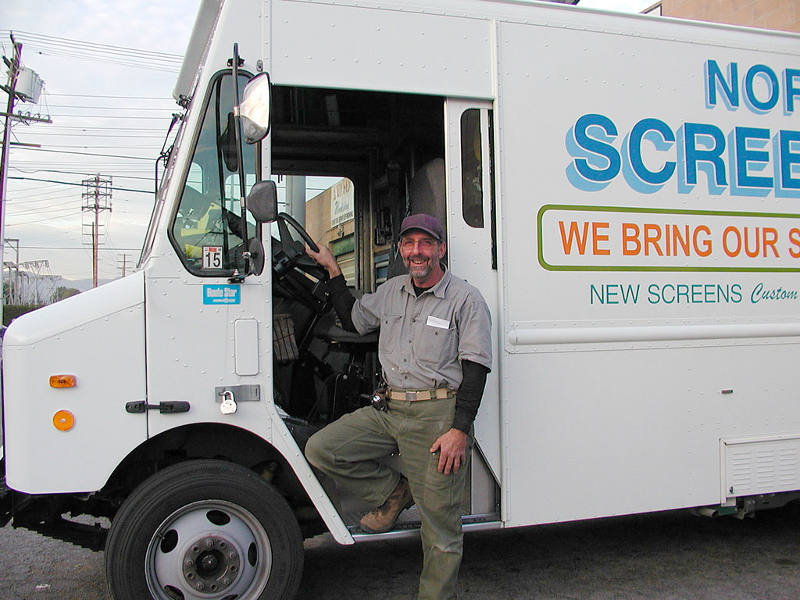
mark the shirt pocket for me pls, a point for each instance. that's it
(436, 346)
(389, 337)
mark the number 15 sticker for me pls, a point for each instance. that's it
(212, 257)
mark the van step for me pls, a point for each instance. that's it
(411, 529)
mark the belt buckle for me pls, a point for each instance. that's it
(411, 396)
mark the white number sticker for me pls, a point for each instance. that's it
(212, 257)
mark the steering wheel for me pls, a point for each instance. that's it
(289, 253)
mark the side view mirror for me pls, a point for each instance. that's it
(262, 201)
(254, 109)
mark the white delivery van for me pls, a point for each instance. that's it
(624, 190)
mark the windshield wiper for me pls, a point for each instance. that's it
(166, 152)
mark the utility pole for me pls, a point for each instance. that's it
(30, 88)
(13, 71)
(96, 198)
(122, 264)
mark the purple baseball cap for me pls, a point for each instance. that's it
(424, 222)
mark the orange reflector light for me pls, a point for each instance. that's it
(63, 420)
(62, 381)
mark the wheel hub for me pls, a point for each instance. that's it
(211, 564)
(208, 549)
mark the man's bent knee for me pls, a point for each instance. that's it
(316, 453)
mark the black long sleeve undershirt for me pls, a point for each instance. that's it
(468, 395)
(343, 301)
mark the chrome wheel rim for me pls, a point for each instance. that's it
(211, 549)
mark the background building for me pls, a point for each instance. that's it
(330, 221)
(768, 14)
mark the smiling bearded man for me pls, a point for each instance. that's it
(435, 352)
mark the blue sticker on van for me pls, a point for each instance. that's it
(221, 294)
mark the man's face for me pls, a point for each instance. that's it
(421, 255)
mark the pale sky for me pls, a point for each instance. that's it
(47, 217)
(99, 107)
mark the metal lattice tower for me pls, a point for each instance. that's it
(11, 282)
(37, 285)
(96, 199)
(30, 282)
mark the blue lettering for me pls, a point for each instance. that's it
(789, 160)
(594, 293)
(644, 129)
(630, 294)
(715, 80)
(790, 76)
(599, 147)
(767, 75)
(710, 156)
(611, 292)
(744, 154)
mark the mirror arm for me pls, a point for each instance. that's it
(237, 277)
(239, 160)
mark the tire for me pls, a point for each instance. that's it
(204, 529)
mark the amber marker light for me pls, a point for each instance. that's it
(63, 420)
(62, 381)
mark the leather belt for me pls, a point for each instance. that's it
(417, 395)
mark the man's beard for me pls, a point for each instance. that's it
(421, 270)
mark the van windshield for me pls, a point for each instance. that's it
(206, 229)
(162, 182)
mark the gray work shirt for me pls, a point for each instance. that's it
(423, 338)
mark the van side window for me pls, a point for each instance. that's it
(471, 171)
(206, 230)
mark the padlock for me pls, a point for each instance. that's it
(228, 406)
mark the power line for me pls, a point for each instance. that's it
(24, 192)
(116, 189)
(78, 248)
(42, 188)
(58, 208)
(36, 197)
(89, 154)
(107, 166)
(112, 96)
(96, 46)
(111, 117)
(150, 65)
(117, 166)
(94, 135)
(42, 220)
(57, 46)
(88, 127)
(77, 173)
(93, 147)
(108, 107)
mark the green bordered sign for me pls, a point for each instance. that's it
(603, 238)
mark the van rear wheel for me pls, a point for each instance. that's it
(204, 529)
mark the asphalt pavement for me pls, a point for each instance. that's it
(671, 555)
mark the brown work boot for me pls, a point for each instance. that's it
(383, 518)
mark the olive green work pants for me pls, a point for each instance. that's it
(349, 451)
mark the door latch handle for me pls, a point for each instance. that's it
(175, 406)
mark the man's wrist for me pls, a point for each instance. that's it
(462, 423)
(337, 283)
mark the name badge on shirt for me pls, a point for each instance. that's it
(440, 323)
